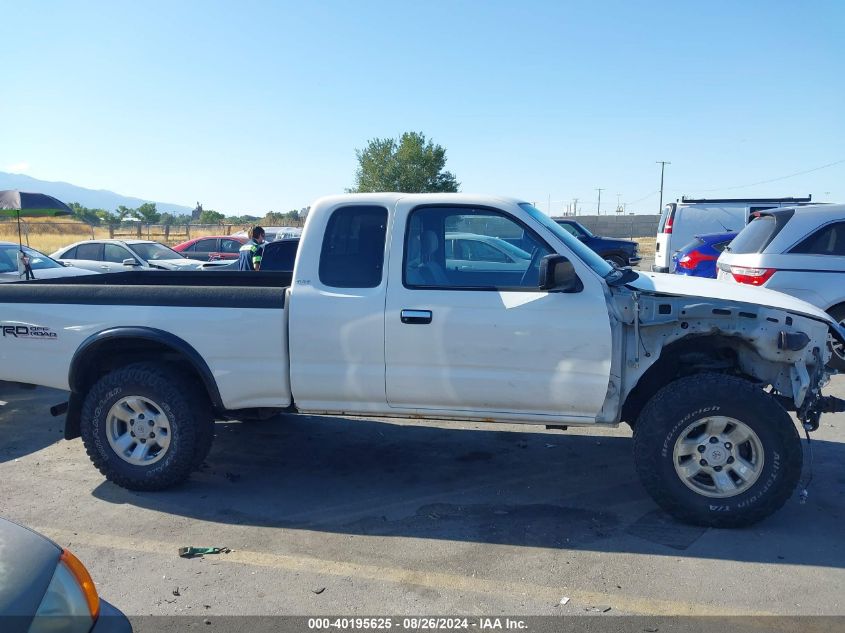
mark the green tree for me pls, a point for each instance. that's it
(84, 214)
(210, 216)
(410, 164)
(273, 218)
(148, 214)
(108, 218)
(123, 213)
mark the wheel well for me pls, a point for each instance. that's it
(691, 355)
(101, 357)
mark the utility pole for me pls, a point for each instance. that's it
(598, 206)
(663, 164)
(575, 206)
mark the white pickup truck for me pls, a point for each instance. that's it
(382, 317)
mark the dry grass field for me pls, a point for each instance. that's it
(48, 236)
(646, 245)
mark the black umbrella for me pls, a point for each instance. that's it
(14, 203)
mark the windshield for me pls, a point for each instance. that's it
(152, 251)
(574, 227)
(9, 259)
(586, 254)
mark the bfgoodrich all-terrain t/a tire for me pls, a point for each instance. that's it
(716, 450)
(145, 428)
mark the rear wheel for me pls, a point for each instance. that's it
(145, 428)
(837, 349)
(716, 450)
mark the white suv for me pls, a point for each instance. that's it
(799, 251)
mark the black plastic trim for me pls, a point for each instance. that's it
(148, 334)
(178, 295)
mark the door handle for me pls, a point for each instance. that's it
(415, 317)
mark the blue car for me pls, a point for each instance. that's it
(698, 258)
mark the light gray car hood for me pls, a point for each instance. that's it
(176, 264)
(47, 273)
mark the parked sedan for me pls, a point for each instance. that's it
(212, 248)
(114, 256)
(469, 251)
(42, 266)
(618, 252)
(698, 258)
(799, 251)
(44, 587)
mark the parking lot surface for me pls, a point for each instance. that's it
(370, 516)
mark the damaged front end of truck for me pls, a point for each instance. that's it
(662, 336)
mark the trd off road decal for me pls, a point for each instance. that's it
(28, 331)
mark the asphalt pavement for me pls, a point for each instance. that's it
(330, 515)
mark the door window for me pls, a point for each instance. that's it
(466, 248)
(829, 240)
(115, 253)
(353, 247)
(89, 251)
(205, 246)
(231, 246)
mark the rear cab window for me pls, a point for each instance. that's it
(352, 255)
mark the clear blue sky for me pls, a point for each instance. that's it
(250, 106)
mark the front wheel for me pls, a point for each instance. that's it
(616, 261)
(837, 349)
(145, 428)
(717, 451)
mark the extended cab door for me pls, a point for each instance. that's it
(336, 314)
(484, 341)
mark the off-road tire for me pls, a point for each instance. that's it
(835, 362)
(685, 400)
(192, 426)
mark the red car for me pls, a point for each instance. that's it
(212, 248)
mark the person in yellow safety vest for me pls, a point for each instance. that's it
(249, 255)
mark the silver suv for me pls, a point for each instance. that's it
(799, 251)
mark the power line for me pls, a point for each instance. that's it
(764, 182)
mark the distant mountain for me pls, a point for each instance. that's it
(92, 198)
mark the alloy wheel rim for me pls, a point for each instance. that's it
(718, 457)
(138, 430)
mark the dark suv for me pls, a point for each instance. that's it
(620, 253)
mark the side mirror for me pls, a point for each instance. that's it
(131, 262)
(581, 237)
(557, 274)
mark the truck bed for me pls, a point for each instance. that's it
(235, 321)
